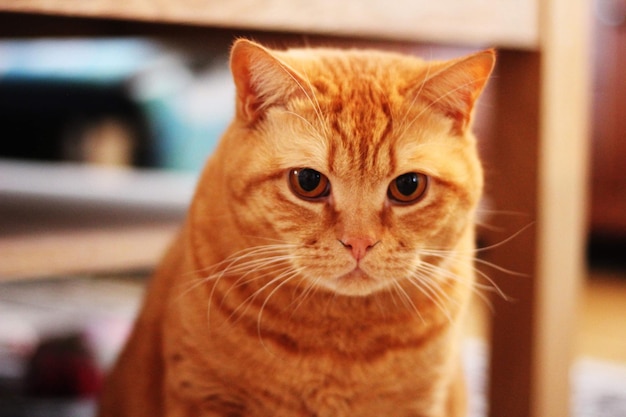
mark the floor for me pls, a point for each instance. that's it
(601, 333)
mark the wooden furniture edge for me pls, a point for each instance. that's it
(84, 251)
(511, 24)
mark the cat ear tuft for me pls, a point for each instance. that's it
(261, 79)
(455, 87)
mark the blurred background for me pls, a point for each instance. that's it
(102, 137)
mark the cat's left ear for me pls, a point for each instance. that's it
(262, 80)
(455, 86)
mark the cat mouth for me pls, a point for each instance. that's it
(357, 274)
(357, 282)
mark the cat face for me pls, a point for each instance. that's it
(349, 171)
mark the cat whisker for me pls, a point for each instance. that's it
(242, 261)
(253, 265)
(414, 100)
(406, 299)
(316, 104)
(441, 97)
(248, 301)
(310, 289)
(212, 271)
(282, 279)
(491, 286)
(445, 273)
(392, 290)
(421, 282)
(304, 119)
(271, 239)
(428, 279)
(487, 226)
(485, 213)
(471, 255)
(246, 262)
(314, 101)
(476, 287)
(500, 268)
(493, 212)
(505, 241)
(443, 253)
(257, 272)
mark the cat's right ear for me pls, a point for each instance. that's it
(261, 80)
(455, 86)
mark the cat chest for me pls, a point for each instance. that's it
(266, 381)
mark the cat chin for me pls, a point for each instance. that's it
(354, 284)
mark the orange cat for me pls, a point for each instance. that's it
(325, 264)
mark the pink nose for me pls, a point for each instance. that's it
(358, 246)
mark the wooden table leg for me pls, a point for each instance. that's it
(537, 169)
(512, 177)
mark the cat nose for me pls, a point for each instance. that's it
(358, 245)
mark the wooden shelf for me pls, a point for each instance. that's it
(124, 187)
(505, 23)
(75, 251)
(63, 219)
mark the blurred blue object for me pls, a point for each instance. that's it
(185, 111)
(90, 60)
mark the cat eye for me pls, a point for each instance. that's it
(408, 188)
(308, 183)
